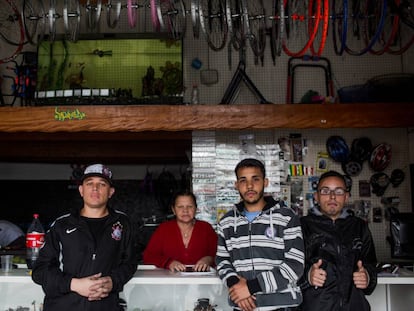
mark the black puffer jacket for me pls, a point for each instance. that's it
(340, 244)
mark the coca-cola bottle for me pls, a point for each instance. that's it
(35, 238)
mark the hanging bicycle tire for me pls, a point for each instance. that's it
(212, 18)
(339, 13)
(11, 24)
(277, 30)
(195, 21)
(234, 24)
(404, 38)
(111, 21)
(71, 19)
(52, 16)
(298, 21)
(34, 20)
(254, 23)
(132, 13)
(323, 33)
(93, 14)
(172, 17)
(362, 17)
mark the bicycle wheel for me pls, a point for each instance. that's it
(234, 24)
(368, 18)
(213, 23)
(11, 26)
(389, 31)
(322, 34)
(132, 13)
(154, 16)
(297, 35)
(404, 38)
(195, 21)
(71, 19)
(112, 23)
(254, 21)
(34, 20)
(93, 14)
(339, 14)
(172, 17)
(277, 30)
(52, 20)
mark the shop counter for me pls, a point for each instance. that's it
(154, 289)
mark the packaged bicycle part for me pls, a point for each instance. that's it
(208, 76)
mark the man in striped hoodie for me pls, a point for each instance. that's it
(260, 254)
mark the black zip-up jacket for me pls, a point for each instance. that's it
(340, 244)
(70, 251)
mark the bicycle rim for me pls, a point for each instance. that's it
(113, 22)
(11, 24)
(298, 17)
(362, 16)
(339, 12)
(213, 23)
(254, 21)
(34, 20)
(71, 19)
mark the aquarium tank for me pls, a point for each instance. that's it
(115, 69)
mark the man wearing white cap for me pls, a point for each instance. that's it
(88, 254)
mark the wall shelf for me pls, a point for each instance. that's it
(162, 133)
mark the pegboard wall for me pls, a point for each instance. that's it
(269, 77)
(206, 163)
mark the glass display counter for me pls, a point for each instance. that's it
(161, 290)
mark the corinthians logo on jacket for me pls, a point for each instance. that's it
(117, 231)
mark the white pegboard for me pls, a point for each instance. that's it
(316, 142)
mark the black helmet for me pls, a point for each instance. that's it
(397, 177)
(379, 183)
(361, 149)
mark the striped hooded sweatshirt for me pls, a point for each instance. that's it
(268, 252)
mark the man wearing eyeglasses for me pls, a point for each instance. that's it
(340, 254)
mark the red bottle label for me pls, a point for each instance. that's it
(35, 239)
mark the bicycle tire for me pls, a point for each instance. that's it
(112, 23)
(71, 19)
(195, 21)
(405, 35)
(309, 37)
(52, 20)
(34, 20)
(10, 9)
(234, 24)
(389, 32)
(154, 16)
(325, 24)
(372, 39)
(132, 14)
(254, 20)
(213, 23)
(172, 17)
(340, 17)
(93, 14)
(277, 29)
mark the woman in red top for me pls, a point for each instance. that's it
(183, 240)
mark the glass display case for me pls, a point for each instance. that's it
(135, 68)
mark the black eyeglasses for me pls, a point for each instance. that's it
(337, 191)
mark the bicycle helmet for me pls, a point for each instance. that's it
(361, 149)
(397, 177)
(380, 157)
(337, 149)
(379, 183)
